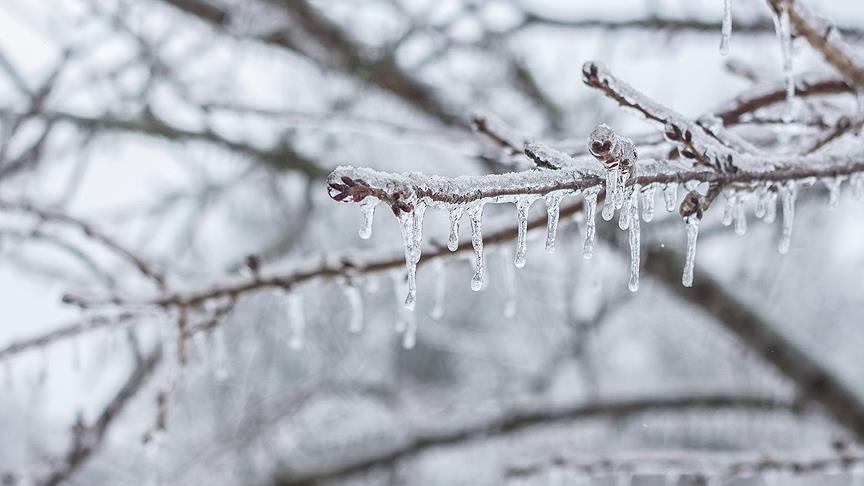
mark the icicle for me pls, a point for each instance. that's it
(784, 34)
(611, 189)
(297, 319)
(440, 288)
(475, 212)
(633, 284)
(401, 313)
(762, 201)
(726, 30)
(740, 215)
(833, 185)
(355, 307)
(788, 192)
(670, 195)
(221, 369)
(367, 206)
(411, 225)
(409, 337)
(728, 207)
(510, 291)
(455, 217)
(621, 196)
(857, 183)
(590, 207)
(522, 206)
(692, 233)
(771, 208)
(648, 203)
(624, 214)
(553, 209)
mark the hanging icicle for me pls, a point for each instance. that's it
(635, 239)
(411, 225)
(788, 192)
(783, 30)
(475, 212)
(648, 203)
(367, 206)
(553, 210)
(297, 320)
(522, 206)
(440, 288)
(455, 217)
(355, 306)
(670, 195)
(590, 206)
(692, 222)
(726, 34)
(510, 284)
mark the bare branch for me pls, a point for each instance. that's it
(516, 421)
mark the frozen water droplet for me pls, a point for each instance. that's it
(297, 320)
(522, 206)
(367, 206)
(670, 195)
(553, 209)
(648, 203)
(455, 217)
(633, 284)
(788, 192)
(611, 189)
(690, 261)
(440, 288)
(726, 34)
(355, 307)
(475, 212)
(509, 284)
(590, 195)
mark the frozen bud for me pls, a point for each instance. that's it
(692, 204)
(601, 142)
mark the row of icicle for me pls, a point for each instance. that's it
(634, 199)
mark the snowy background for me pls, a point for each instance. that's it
(187, 142)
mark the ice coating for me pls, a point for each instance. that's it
(670, 195)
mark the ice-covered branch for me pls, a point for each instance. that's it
(87, 438)
(53, 216)
(824, 37)
(515, 421)
(815, 382)
(716, 468)
(65, 332)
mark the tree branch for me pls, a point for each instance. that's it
(516, 421)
